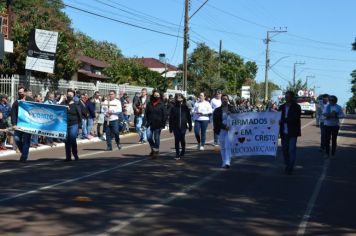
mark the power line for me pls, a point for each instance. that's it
(312, 57)
(269, 28)
(135, 14)
(123, 22)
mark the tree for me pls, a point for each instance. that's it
(203, 68)
(299, 85)
(47, 15)
(351, 104)
(258, 90)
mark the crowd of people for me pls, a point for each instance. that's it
(93, 116)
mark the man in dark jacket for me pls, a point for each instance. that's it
(155, 120)
(290, 130)
(22, 139)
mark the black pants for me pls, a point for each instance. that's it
(179, 138)
(331, 132)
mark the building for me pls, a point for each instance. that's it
(91, 70)
(165, 69)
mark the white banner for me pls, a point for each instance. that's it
(42, 50)
(254, 133)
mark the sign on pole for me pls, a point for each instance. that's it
(42, 50)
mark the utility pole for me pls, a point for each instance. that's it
(186, 41)
(294, 70)
(185, 46)
(219, 65)
(267, 40)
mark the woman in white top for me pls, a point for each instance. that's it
(201, 112)
(332, 113)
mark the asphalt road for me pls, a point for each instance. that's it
(129, 194)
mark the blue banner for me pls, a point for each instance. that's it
(42, 119)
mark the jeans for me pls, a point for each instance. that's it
(99, 130)
(322, 135)
(84, 128)
(90, 125)
(179, 138)
(331, 132)
(23, 141)
(289, 148)
(200, 127)
(34, 139)
(140, 130)
(112, 129)
(153, 137)
(71, 142)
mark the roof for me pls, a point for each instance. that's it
(155, 63)
(93, 61)
(92, 75)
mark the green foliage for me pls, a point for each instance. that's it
(47, 15)
(100, 50)
(203, 71)
(351, 104)
(299, 85)
(258, 90)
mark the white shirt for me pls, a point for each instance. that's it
(204, 108)
(215, 103)
(113, 106)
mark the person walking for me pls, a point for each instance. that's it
(201, 112)
(5, 107)
(35, 137)
(179, 121)
(332, 113)
(112, 110)
(290, 130)
(22, 139)
(139, 106)
(74, 124)
(215, 103)
(221, 129)
(155, 121)
(321, 106)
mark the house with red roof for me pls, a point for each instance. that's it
(165, 69)
(91, 70)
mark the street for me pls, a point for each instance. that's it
(126, 193)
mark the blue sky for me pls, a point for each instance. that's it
(320, 33)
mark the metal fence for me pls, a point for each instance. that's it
(9, 85)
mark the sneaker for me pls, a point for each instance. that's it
(119, 146)
(201, 148)
(177, 158)
(215, 144)
(108, 149)
(198, 147)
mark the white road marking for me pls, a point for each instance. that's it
(70, 180)
(76, 179)
(163, 203)
(85, 155)
(304, 223)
